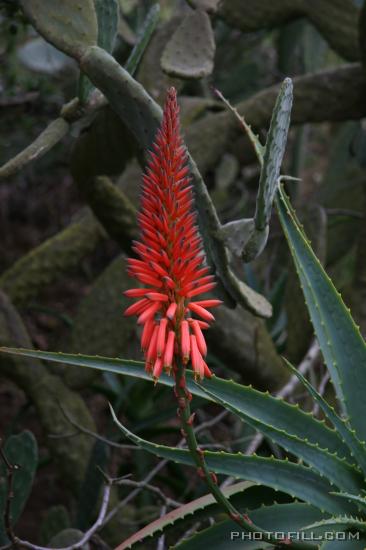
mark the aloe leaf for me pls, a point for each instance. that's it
(244, 496)
(335, 524)
(361, 501)
(259, 149)
(347, 544)
(270, 170)
(55, 131)
(280, 518)
(263, 407)
(357, 448)
(294, 479)
(337, 471)
(186, 510)
(258, 406)
(21, 450)
(273, 155)
(143, 38)
(274, 413)
(342, 345)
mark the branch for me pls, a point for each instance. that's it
(336, 20)
(86, 431)
(10, 470)
(143, 485)
(87, 535)
(184, 413)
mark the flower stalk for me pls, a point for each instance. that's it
(170, 264)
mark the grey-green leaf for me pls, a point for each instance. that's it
(270, 169)
(55, 131)
(276, 518)
(357, 448)
(273, 155)
(295, 479)
(337, 471)
(342, 345)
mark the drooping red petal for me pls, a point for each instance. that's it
(160, 346)
(169, 350)
(185, 341)
(201, 311)
(197, 361)
(201, 342)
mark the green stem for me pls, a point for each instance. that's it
(186, 418)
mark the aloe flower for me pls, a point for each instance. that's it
(171, 261)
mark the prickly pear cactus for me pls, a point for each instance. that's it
(70, 25)
(190, 52)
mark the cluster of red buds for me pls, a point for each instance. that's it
(170, 260)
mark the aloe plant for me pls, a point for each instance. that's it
(329, 477)
(327, 474)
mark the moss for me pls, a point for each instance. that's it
(48, 262)
(46, 391)
(91, 333)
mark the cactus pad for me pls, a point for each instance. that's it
(70, 25)
(190, 52)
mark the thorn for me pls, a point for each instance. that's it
(181, 403)
(200, 472)
(191, 419)
(247, 519)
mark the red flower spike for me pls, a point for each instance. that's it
(170, 261)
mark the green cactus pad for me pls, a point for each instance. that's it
(70, 25)
(190, 52)
(21, 451)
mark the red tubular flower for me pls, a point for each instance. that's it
(171, 258)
